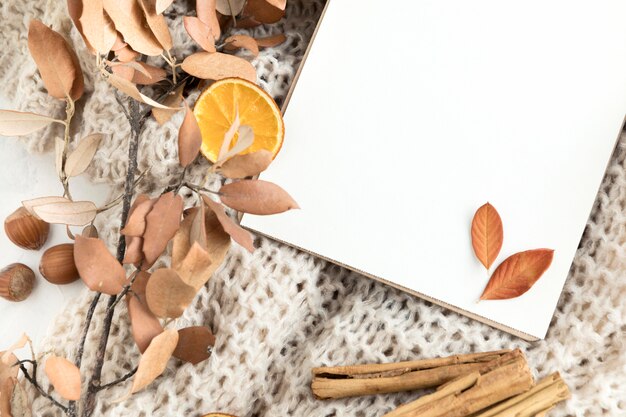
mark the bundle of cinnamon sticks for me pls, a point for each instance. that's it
(490, 384)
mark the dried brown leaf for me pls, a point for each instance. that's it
(129, 20)
(6, 392)
(136, 223)
(216, 66)
(56, 61)
(73, 213)
(205, 10)
(487, 234)
(196, 268)
(78, 161)
(197, 232)
(241, 41)
(162, 5)
(200, 32)
(247, 165)
(256, 197)
(98, 269)
(139, 285)
(517, 274)
(144, 325)
(230, 7)
(64, 377)
(271, 41)
(149, 74)
(134, 251)
(154, 360)
(172, 101)
(264, 11)
(193, 344)
(131, 90)
(236, 232)
(17, 123)
(167, 295)
(90, 231)
(189, 138)
(123, 71)
(96, 27)
(40, 201)
(7, 355)
(8, 370)
(161, 225)
(157, 23)
(75, 10)
(126, 54)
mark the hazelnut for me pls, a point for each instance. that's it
(57, 264)
(26, 230)
(16, 282)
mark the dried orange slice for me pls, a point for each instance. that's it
(216, 110)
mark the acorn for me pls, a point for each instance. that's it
(26, 230)
(16, 282)
(57, 264)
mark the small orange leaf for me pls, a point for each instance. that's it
(517, 274)
(64, 377)
(193, 344)
(487, 234)
(217, 66)
(256, 197)
(246, 165)
(200, 32)
(144, 325)
(97, 267)
(189, 138)
(161, 224)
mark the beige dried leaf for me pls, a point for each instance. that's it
(72, 213)
(144, 325)
(56, 61)
(131, 90)
(129, 20)
(146, 74)
(194, 344)
(242, 41)
(197, 232)
(40, 201)
(98, 269)
(162, 5)
(75, 10)
(161, 225)
(136, 223)
(247, 165)
(200, 32)
(172, 101)
(189, 138)
(154, 360)
(230, 7)
(17, 123)
(156, 22)
(217, 66)
(167, 295)
(96, 27)
(90, 231)
(59, 146)
(134, 251)
(196, 268)
(127, 54)
(124, 71)
(205, 10)
(64, 377)
(256, 197)
(78, 161)
(236, 232)
(271, 41)
(138, 287)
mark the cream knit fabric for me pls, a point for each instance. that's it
(279, 312)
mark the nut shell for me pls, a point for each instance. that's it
(57, 264)
(26, 230)
(16, 282)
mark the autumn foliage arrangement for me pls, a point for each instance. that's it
(122, 35)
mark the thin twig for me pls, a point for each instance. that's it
(119, 380)
(126, 287)
(33, 380)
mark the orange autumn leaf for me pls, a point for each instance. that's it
(162, 222)
(98, 269)
(517, 274)
(144, 325)
(487, 234)
(64, 377)
(200, 32)
(256, 197)
(217, 66)
(241, 41)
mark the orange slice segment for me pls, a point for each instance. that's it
(217, 107)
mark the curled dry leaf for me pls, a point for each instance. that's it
(247, 165)
(194, 344)
(189, 138)
(172, 102)
(17, 123)
(161, 225)
(136, 224)
(56, 61)
(517, 274)
(72, 213)
(96, 28)
(157, 23)
(162, 5)
(256, 197)
(487, 234)
(144, 325)
(198, 233)
(200, 32)
(154, 360)
(128, 18)
(263, 11)
(230, 7)
(236, 232)
(78, 161)
(217, 66)
(271, 41)
(167, 295)
(97, 267)
(205, 10)
(64, 377)
(242, 41)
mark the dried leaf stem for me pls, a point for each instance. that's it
(120, 379)
(33, 380)
(69, 114)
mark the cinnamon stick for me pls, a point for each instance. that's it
(369, 379)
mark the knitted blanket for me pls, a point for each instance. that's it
(279, 312)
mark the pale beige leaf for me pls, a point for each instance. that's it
(146, 74)
(131, 90)
(64, 377)
(124, 71)
(136, 223)
(229, 135)
(172, 101)
(217, 66)
(78, 161)
(40, 201)
(245, 139)
(195, 269)
(144, 325)
(161, 225)
(256, 197)
(197, 233)
(126, 54)
(189, 138)
(194, 344)
(134, 251)
(20, 403)
(247, 165)
(205, 10)
(230, 7)
(56, 61)
(157, 23)
(161, 5)
(167, 295)
(271, 41)
(17, 123)
(119, 42)
(97, 28)
(7, 368)
(59, 145)
(200, 32)
(98, 269)
(73, 213)
(129, 20)
(242, 41)
(154, 360)
(236, 232)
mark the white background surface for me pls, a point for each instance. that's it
(403, 125)
(24, 176)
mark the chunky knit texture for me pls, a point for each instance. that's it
(279, 312)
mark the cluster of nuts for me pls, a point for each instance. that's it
(56, 265)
